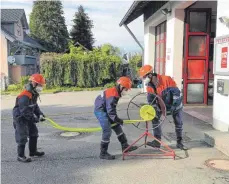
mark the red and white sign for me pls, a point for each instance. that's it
(224, 54)
(221, 58)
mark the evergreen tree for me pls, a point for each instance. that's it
(81, 31)
(47, 24)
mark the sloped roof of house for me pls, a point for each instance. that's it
(14, 15)
(8, 34)
(32, 42)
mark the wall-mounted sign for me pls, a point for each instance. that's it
(168, 57)
(221, 59)
(168, 51)
(224, 57)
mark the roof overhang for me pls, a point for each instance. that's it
(135, 11)
(138, 8)
(31, 45)
(8, 36)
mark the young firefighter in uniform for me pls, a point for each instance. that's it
(166, 88)
(26, 113)
(105, 111)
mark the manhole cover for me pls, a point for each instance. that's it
(220, 164)
(69, 134)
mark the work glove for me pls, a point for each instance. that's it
(120, 122)
(42, 117)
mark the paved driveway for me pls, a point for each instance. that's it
(75, 160)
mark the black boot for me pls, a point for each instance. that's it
(21, 154)
(33, 148)
(123, 140)
(103, 152)
(180, 144)
(154, 144)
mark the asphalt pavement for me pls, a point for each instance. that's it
(75, 160)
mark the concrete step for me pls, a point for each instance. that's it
(217, 139)
(201, 113)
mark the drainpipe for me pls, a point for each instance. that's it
(134, 37)
(128, 29)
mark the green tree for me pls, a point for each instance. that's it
(135, 62)
(47, 24)
(109, 49)
(81, 30)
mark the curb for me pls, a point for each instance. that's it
(199, 116)
(214, 138)
(219, 140)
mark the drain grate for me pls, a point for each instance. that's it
(219, 164)
(171, 136)
(80, 118)
(84, 118)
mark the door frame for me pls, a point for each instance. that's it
(204, 81)
(158, 59)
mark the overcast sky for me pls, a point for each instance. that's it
(106, 16)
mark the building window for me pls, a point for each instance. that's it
(160, 48)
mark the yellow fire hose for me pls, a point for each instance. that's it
(147, 113)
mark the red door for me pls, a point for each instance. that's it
(160, 48)
(196, 56)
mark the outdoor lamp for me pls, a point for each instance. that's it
(165, 11)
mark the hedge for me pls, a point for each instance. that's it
(79, 68)
(134, 64)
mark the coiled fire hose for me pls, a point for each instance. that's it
(147, 113)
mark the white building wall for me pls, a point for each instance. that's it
(170, 32)
(149, 41)
(174, 38)
(221, 103)
(174, 45)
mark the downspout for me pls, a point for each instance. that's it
(134, 37)
(128, 29)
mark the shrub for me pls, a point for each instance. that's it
(80, 69)
(19, 86)
(13, 87)
(23, 81)
(135, 64)
(109, 85)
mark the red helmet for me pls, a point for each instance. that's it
(37, 78)
(146, 69)
(125, 82)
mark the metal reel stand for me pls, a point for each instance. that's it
(160, 108)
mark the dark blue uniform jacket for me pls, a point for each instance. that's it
(107, 102)
(167, 90)
(26, 107)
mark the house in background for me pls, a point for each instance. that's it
(20, 53)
